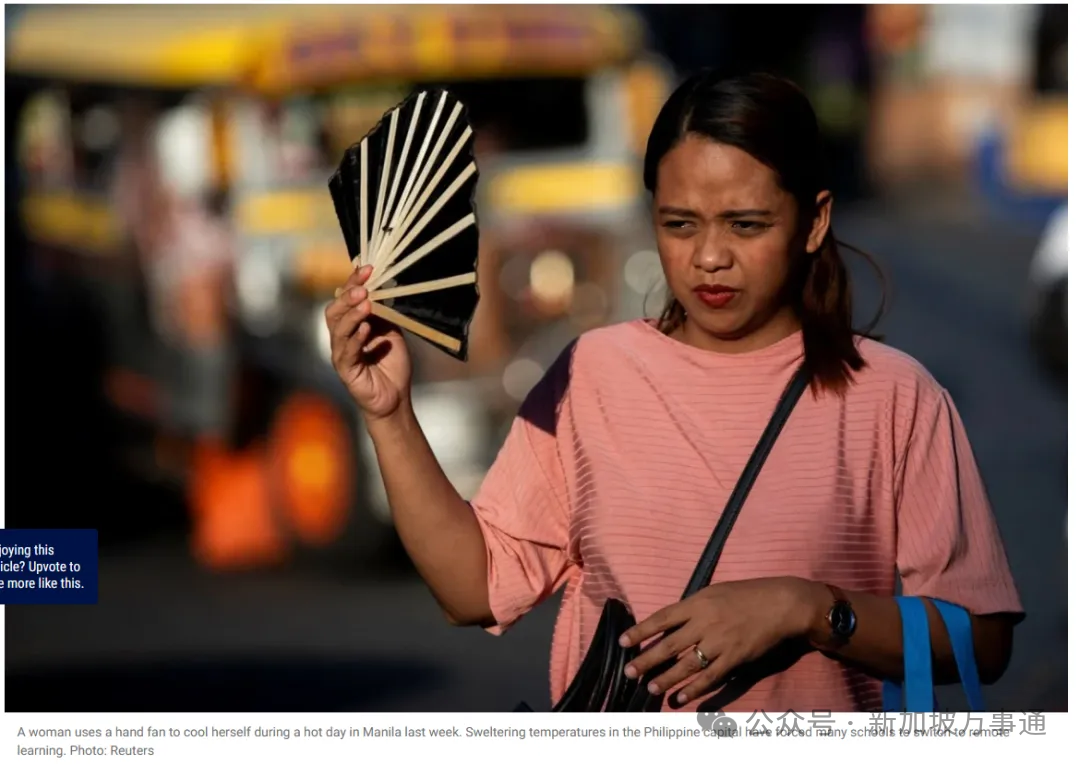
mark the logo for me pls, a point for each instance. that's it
(718, 724)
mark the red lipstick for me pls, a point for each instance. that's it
(715, 295)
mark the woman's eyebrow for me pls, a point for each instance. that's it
(745, 213)
(683, 212)
(680, 211)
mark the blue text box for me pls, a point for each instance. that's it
(48, 566)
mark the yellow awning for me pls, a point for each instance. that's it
(281, 47)
(559, 189)
(1037, 152)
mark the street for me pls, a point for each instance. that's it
(169, 637)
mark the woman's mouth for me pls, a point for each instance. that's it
(715, 295)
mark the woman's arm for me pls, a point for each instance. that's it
(490, 561)
(733, 623)
(877, 645)
(948, 547)
(438, 528)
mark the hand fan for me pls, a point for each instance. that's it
(404, 196)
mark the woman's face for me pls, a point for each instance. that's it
(727, 235)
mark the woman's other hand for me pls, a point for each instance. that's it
(730, 624)
(368, 353)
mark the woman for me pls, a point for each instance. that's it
(623, 456)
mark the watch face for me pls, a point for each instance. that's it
(842, 619)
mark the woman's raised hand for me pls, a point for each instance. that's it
(369, 354)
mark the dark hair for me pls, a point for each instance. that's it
(771, 120)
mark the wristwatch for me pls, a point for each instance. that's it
(841, 620)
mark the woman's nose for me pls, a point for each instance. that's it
(713, 256)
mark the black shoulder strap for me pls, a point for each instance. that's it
(703, 574)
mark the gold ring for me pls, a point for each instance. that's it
(701, 657)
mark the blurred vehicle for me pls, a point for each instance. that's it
(177, 159)
(1049, 283)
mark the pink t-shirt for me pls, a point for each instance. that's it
(622, 458)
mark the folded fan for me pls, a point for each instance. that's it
(404, 196)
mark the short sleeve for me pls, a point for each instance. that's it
(948, 543)
(522, 505)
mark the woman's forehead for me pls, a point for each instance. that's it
(699, 172)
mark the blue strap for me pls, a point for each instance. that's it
(958, 623)
(918, 688)
(918, 676)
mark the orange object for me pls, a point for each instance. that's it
(233, 524)
(895, 28)
(223, 156)
(647, 86)
(310, 448)
(200, 308)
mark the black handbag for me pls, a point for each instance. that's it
(600, 684)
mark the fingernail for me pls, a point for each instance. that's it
(631, 671)
(624, 641)
(681, 698)
(653, 688)
(358, 294)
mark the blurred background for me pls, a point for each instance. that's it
(171, 244)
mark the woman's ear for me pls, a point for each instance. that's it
(821, 221)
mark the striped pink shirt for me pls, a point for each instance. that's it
(622, 457)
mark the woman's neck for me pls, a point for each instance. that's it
(778, 327)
